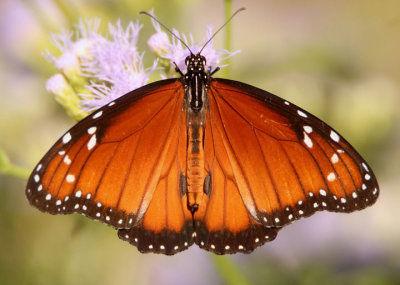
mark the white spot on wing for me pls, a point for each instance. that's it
(307, 140)
(335, 158)
(48, 197)
(307, 129)
(367, 176)
(334, 136)
(92, 142)
(36, 178)
(301, 113)
(38, 167)
(67, 160)
(365, 166)
(97, 115)
(70, 178)
(66, 138)
(91, 130)
(78, 194)
(331, 177)
(322, 192)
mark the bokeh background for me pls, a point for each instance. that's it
(338, 59)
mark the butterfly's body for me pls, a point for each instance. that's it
(195, 83)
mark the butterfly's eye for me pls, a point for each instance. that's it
(203, 60)
(187, 60)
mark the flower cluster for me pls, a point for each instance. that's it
(96, 69)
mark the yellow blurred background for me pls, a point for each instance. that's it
(337, 59)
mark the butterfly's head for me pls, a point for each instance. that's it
(195, 63)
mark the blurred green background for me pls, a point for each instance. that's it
(337, 59)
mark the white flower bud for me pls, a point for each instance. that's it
(159, 43)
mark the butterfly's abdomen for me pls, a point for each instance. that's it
(195, 159)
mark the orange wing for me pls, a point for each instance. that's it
(222, 223)
(167, 225)
(115, 165)
(285, 163)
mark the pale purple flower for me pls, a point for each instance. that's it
(115, 66)
(101, 68)
(74, 46)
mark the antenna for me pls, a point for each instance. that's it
(178, 38)
(165, 27)
(227, 21)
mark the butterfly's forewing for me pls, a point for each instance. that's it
(110, 164)
(285, 162)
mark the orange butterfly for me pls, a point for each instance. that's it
(200, 160)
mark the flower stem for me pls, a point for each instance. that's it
(228, 34)
(229, 271)
(8, 169)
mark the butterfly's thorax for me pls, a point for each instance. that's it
(196, 83)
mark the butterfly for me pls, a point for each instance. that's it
(202, 160)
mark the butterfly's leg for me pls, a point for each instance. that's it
(178, 70)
